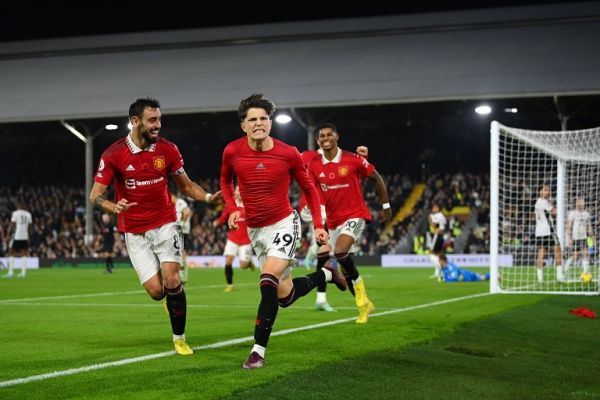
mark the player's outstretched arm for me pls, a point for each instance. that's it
(386, 211)
(195, 191)
(97, 198)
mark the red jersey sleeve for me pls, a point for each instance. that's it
(300, 174)
(365, 168)
(227, 178)
(224, 215)
(106, 171)
(176, 160)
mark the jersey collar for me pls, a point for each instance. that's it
(336, 159)
(134, 148)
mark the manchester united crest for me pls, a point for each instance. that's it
(159, 163)
(343, 170)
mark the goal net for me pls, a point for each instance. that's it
(544, 210)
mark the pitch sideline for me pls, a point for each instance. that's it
(73, 371)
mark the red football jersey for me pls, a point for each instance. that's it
(264, 180)
(141, 176)
(338, 182)
(240, 235)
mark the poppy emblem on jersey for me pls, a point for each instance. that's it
(159, 163)
(343, 170)
(331, 175)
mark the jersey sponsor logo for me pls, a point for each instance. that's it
(132, 183)
(130, 168)
(343, 171)
(159, 162)
(323, 187)
(334, 187)
(260, 166)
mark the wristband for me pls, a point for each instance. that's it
(385, 206)
(207, 197)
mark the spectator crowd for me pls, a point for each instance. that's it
(58, 229)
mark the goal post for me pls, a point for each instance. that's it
(550, 179)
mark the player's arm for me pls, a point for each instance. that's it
(386, 211)
(195, 191)
(227, 189)
(300, 174)
(98, 199)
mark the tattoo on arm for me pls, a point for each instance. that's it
(98, 202)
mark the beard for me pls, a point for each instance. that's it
(146, 136)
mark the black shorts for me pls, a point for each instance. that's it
(108, 246)
(437, 243)
(547, 242)
(579, 244)
(20, 245)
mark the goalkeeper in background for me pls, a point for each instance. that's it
(579, 229)
(450, 272)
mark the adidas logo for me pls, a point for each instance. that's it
(177, 253)
(260, 166)
(282, 249)
(130, 168)
(321, 175)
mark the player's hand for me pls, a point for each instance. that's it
(216, 198)
(123, 205)
(215, 223)
(233, 219)
(385, 215)
(322, 236)
(362, 151)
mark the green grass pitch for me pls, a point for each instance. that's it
(425, 340)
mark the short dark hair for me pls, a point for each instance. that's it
(256, 100)
(442, 257)
(327, 125)
(137, 108)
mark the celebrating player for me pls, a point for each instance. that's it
(263, 167)
(337, 175)
(140, 165)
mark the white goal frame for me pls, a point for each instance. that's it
(565, 153)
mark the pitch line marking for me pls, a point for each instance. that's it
(73, 371)
(104, 294)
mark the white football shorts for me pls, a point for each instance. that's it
(149, 249)
(243, 251)
(277, 240)
(353, 227)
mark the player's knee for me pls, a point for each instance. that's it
(157, 294)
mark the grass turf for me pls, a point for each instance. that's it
(502, 346)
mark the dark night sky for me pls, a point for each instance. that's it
(31, 19)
